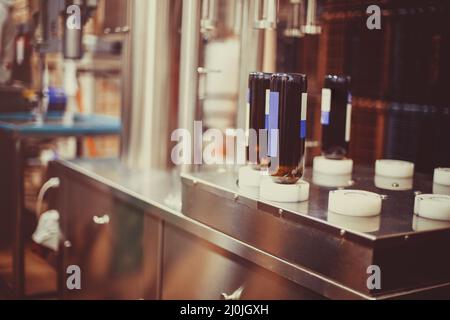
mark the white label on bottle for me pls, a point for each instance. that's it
(304, 106)
(326, 100)
(267, 102)
(348, 124)
(303, 124)
(20, 50)
(247, 119)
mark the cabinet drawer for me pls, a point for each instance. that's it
(194, 269)
(105, 237)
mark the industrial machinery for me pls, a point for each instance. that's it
(66, 18)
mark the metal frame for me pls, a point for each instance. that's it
(149, 190)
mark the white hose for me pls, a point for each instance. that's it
(50, 184)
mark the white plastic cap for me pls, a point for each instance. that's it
(442, 176)
(248, 177)
(333, 167)
(416, 201)
(355, 203)
(286, 193)
(435, 207)
(394, 168)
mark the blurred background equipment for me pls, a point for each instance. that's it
(7, 34)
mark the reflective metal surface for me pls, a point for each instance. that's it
(398, 206)
(339, 247)
(325, 253)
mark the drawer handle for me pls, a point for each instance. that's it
(101, 220)
(237, 295)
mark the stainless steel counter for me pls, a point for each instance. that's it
(397, 219)
(210, 206)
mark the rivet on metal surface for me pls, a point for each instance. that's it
(195, 182)
(343, 232)
(280, 212)
(406, 237)
(384, 197)
(395, 185)
(236, 196)
(417, 193)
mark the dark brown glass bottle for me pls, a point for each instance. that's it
(336, 117)
(258, 93)
(288, 111)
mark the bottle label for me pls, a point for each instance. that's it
(267, 109)
(304, 110)
(273, 123)
(348, 124)
(326, 106)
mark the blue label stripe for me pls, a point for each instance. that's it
(273, 124)
(266, 125)
(325, 120)
(303, 128)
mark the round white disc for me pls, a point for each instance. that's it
(442, 176)
(355, 203)
(394, 169)
(333, 167)
(436, 207)
(288, 193)
(248, 177)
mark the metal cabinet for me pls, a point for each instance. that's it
(127, 249)
(113, 242)
(195, 269)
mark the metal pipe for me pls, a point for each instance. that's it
(127, 86)
(296, 21)
(238, 9)
(189, 64)
(312, 26)
(146, 123)
(209, 16)
(265, 14)
(189, 61)
(251, 57)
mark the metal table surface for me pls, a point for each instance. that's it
(162, 193)
(84, 125)
(396, 220)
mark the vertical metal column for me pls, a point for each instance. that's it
(147, 85)
(189, 64)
